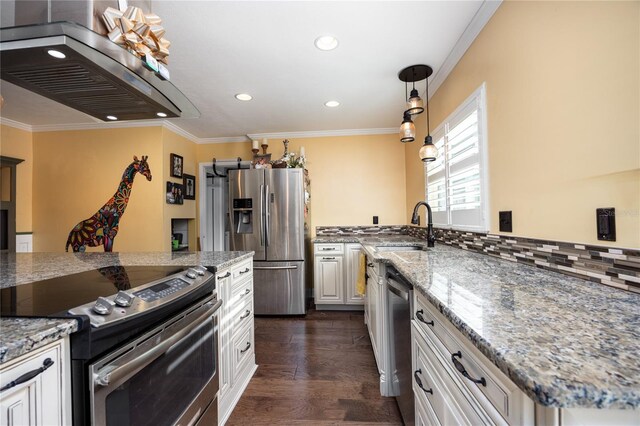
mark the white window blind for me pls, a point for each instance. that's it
(456, 181)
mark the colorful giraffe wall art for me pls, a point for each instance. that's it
(102, 227)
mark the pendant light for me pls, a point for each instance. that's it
(428, 151)
(407, 129)
(415, 103)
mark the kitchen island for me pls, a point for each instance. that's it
(171, 299)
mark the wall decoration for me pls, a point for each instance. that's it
(189, 187)
(175, 193)
(176, 165)
(102, 227)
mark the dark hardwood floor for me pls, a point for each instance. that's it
(316, 370)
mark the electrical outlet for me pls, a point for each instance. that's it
(606, 223)
(375, 220)
(506, 221)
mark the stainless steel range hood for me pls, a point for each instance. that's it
(96, 77)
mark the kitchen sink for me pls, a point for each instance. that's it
(399, 248)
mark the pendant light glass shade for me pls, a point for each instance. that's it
(407, 129)
(414, 104)
(428, 152)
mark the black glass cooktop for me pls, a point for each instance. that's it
(54, 297)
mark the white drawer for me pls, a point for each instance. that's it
(241, 314)
(496, 393)
(241, 291)
(434, 388)
(41, 399)
(329, 249)
(241, 271)
(243, 350)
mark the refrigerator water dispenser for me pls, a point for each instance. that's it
(243, 215)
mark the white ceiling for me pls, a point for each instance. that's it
(266, 49)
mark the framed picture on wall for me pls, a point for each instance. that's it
(175, 193)
(176, 165)
(189, 183)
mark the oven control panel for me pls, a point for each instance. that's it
(126, 304)
(161, 290)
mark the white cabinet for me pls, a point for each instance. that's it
(329, 282)
(336, 268)
(448, 396)
(376, 317)
(237, 349)
(44, 399)
(352, 269)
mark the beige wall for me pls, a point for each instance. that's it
(353, 178)
(78, 171)
(563, 98)
(176, 144)
(18, 143)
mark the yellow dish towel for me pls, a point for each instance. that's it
(362, 269)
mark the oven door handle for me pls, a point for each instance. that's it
(108, 375)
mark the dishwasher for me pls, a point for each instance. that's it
(400, 299)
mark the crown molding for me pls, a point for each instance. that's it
(16, 124)
(180, 131)
(230, 139)
(324, 133)
(201, 141)
(479, 20)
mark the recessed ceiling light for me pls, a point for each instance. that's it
(244, 97)
(326, 42)
(112, 117)
(331, 104)
(56, 54)
(161, 114)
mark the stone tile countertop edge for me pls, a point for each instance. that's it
(566, 342)
(19, 336)
(24, 268)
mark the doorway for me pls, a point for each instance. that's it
(8, 203)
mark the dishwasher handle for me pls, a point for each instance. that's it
(398, 285)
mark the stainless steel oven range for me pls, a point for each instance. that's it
(146, 352)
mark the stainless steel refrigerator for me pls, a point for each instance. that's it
(266, 212)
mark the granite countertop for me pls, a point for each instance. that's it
(19, 336)
(23, 268)
(566, 342)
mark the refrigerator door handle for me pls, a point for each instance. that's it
(274, 267)
(262, 215)
(267, 214)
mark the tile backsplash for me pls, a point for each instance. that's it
(615, 267)
(361, 230)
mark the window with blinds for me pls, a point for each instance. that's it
(457, 180)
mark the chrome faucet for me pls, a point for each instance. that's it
(431, 237)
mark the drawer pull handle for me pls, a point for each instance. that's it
(247, 291)
(419, 382)
(245, 349)
(328, 258)
(245, 271)
(227, 275)
(28, 376)
(246, 314)
(421, 318)
(328, 248)
(463, 370)
(370, 265)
